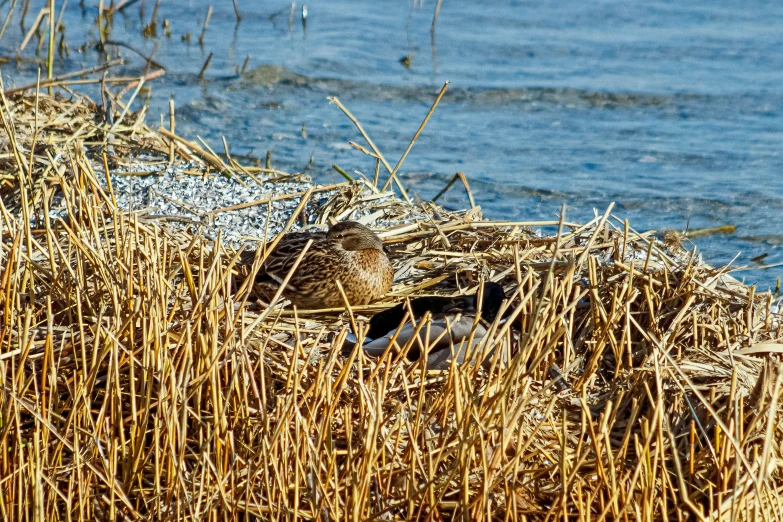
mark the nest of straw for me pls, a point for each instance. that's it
(137, 385)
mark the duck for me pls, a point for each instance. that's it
(453, 320)
(348, 252)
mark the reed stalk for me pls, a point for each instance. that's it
(137, 382)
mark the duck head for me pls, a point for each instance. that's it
(354, 236)
(491, 301)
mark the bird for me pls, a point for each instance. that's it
(453, 320)
(348, 252)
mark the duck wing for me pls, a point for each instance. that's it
(388, 320)
(441, 359)
(447, 339)
(279, 262)
(404, 335)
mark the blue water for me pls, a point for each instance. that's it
(673, 110)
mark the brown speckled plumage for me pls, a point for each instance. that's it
(348, 252)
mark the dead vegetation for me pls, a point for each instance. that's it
(640, 383)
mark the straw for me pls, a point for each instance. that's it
(625, 377)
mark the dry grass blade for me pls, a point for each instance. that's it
(376, 151)
(623, 378)
(416, 136)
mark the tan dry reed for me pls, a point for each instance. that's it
(641, 384)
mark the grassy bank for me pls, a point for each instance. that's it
(641, 383)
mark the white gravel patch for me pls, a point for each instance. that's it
(181, 197)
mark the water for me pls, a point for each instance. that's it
(673, 110)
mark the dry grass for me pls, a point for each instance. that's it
(641, 383)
